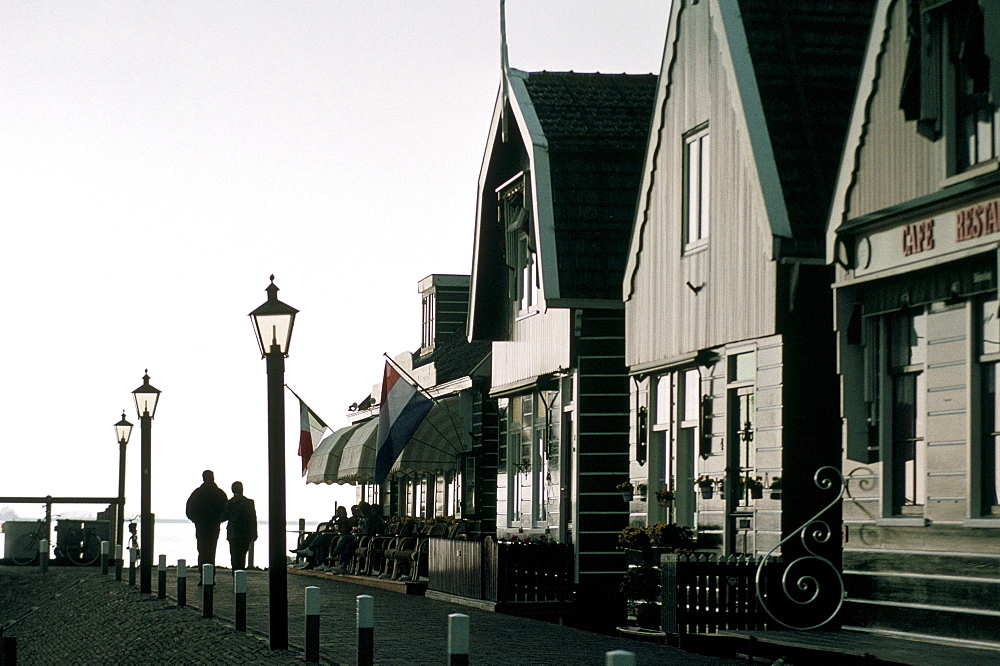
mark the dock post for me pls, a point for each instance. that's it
(619, 658)
(118, 562)
(161, 577)
(207, 590)
(105, 552)
(182, 583)
(366, 630)
(240, 588)
(458, 639)
(43, 555)
(132, 554)
(312, 624)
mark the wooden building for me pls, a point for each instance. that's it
(439, 472)
(913, 233)
(729, 338)
(556, 200)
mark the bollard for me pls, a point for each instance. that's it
(118, 562)
(133, 555)
(240, 588)
(207, 590)
(43, 555)
(161, 577)
(8, 649)
(312, 624)
(619, 658)
(366, 630)
(458, 639)
(182, 583)
(105, 553)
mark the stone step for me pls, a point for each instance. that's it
(921, 619)
(972, 565)
(955, 591)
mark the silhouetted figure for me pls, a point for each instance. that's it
(241, 526)
(204, 509)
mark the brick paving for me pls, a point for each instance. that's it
(78, 616)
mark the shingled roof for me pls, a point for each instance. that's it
(807, 57)
(596, 126)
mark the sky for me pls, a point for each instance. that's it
(160, 160)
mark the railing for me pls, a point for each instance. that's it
(707, 594)
(501, 571)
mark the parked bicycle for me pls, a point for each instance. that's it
(81, 546)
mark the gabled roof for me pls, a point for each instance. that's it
(597, 126)
(585, 137)
(794, 66)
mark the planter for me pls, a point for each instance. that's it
(666, 502)
(648, 616)
(627, 495)
(756, 493)
(776, 493)
(706, 492)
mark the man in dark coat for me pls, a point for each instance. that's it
(204, 509)
(241, 528)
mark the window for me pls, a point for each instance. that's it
(906, 354)
(696, 188)
(989, 418)
(427, 330)
(520, 255)
(947, 84)
(530, 457)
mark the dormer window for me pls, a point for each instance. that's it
(514, 212)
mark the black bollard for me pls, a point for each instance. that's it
(458, 639)
(8, 650)
(118, 562)
(312, 624)
(240, 588)
(105, 557)
(182, 583)
(132, 554)
(161, 578)
(207, 590)
(366, 630)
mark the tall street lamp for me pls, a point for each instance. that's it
(146, 398)
(273, 323)
(123, 430)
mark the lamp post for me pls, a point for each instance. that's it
(273, 323)
(146, 398)
(123, 430)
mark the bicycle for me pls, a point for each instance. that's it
(81, 546)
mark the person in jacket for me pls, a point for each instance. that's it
(240, 516)
(204, 509)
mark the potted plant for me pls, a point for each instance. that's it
(665, 496)
(641, 489)
(626, 489)
(755, 486)
(672, 537)
(641, 584)
(706, 485)
(776, 488)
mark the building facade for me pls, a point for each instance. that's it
(727, 300)
(913, 234)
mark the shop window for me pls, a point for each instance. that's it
(906, 354)
(696, 188)
(989, 417)
(528, 435)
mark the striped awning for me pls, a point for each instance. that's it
(325, 460)
(435, 447)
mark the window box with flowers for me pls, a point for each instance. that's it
(626, 489)
(755, 486)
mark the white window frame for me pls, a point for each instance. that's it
(696, 188)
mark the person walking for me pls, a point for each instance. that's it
(204, 509)
(241, 526)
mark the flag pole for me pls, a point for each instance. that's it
(307, 406)
(431, 398)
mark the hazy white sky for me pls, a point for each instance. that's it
(158, 160)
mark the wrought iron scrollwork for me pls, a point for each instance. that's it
(802, 582)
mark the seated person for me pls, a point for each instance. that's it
(371, 525)
(318, 544)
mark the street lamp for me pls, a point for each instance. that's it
(123, 430)
(272, 324)
(146, 398)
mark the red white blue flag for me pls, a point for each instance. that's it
(402, 410)
(312, 432)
